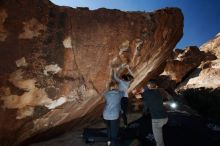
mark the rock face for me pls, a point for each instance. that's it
(178, 66)
(207, 74)
(55, 61)
(212, 46)
(202, 87)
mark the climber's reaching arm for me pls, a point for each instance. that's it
(115, 76)
(129, 70)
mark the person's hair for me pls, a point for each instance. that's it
(127, 77)
(152, 83)
(113, 85)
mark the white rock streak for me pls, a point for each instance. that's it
(67, 43)
(56, 103)
(21, 62)
(53, 69)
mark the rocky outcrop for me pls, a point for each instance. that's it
(179, 65)
(55, 61)
(183, 63)
(203, 84)
(212, 46)
(207, 75)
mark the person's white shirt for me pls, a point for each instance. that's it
(123, 85)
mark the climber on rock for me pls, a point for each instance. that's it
(112, 111)
(124, 84)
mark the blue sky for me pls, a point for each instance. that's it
(201, 17)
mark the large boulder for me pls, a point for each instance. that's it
(55, 61)
(207, 74)
(183, 63)
(212, 46)
(202, 87)
(178, 66)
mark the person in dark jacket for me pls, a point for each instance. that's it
(154, 102)
(111, 112)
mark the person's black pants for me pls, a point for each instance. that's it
(124, 108)
(112, 131)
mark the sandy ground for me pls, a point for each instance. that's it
(74, 138)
